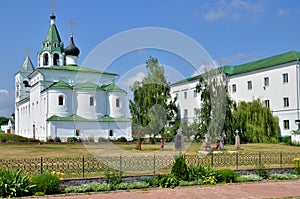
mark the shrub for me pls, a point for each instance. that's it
(91, 139)
(167, 180)
(198, 172)
(72, 139)
(113, 177)
(46, 183)
(95, 187)
(13, 183)
(249, 178)
(149, 180)
(285, 176)
(227, 175)
(57, 139)
(179, 168)
(49, 139)
(102, 139)
(138, 185)
(121, 139)
(15, 138)
(261, 171)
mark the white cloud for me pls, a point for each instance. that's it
(234, 9)
(282, 12)
(2, 91)
(214, 15)
(129, 81)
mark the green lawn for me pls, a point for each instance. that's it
(19, 151)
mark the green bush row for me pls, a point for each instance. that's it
(13, 183)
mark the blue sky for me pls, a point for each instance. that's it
(231, 31)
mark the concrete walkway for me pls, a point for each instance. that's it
(279, 189)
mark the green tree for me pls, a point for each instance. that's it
(215, 116)
(152, 107)
(3, 120)
(255, 122)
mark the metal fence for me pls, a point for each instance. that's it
(90, 166)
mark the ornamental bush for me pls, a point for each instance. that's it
(179, 168)
(13, 183)
(227, 175)
(46, 183)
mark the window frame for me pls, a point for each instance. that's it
(285, 77)
(266, 81)
(249, 85)
(286, 124)
(61, 100)
(286, 102)
(233, 87)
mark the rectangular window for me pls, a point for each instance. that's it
(185, 113)
(286, 124)
(249, 85)
(195, 93)
(117, 102)
(233, 88)
(286, 102)
(91, 101)
(267, 103)
(60, 100)
(285, 78)
(185, 95)
(266, 81)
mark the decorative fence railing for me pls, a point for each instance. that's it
(89, 166)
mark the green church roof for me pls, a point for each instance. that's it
(52, 41)
(61, 85)
(252, 66)
(27, 65)
(76, 69)
(88, 86)
(113, 88)
(266, 62)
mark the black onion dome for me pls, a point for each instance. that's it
(71, 49)
(52, 16)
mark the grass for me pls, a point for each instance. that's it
(37, 150)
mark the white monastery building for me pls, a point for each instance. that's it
(274, 80)
(58, 98)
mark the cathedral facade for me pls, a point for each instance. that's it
(58, 98)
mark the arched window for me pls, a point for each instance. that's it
(45, 59)
(60, 100)
(77, 132)
(111, 133)
(55, 59)
(117, 102)
(91, 101)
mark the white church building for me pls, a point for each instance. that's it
(58, 98)
(274, 80)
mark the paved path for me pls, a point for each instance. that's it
(278, 189)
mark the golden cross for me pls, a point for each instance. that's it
(52, 6)
(71, 23)
(28, 51)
